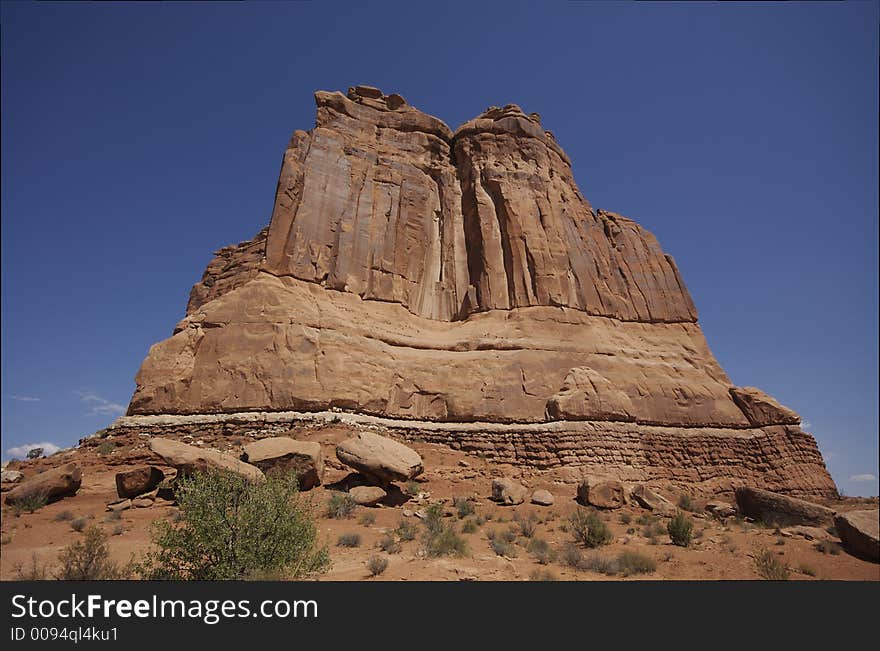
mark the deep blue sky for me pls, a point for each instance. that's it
(137, 139)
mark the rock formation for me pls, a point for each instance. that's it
(416, 274)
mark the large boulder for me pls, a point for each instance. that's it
(131, 483)
(649, 499)
(51, 485)
(188, 459)
(720, 509)
(859, 532)
(11, 476)
(780, 510)
(508, 491)
(604, 494)
(284, 454)
(381, 460)
(367, 495)
(542, 497)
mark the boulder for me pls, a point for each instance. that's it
(720, 509)
(142, 503)
(131, 483)
(859, 532)
(542, 497)
(367, 495)
(52, 485)
(780, 510)
(381, 460)
(603, 494)
(649, 499)
(286, 454)
(119, 505)
(11, 476)
(508, 491)
(761, 409)
(188, 459)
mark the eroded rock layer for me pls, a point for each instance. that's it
(415, 273)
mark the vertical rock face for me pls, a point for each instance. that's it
(411, 272)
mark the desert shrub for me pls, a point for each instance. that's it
(340, 506)
(463, 507)
(769, 567)
(625, 518)
(470, 526)
(601, 564)
(635, 563)
(502, 547)
(572, 556)
(79, 524)
(118, 530)
(349, 540)
(389, 545)
(440, 538)
(230, 528)
(106, 447)
(589, 529)
(367, 519)
(433, 519)
(6, 539)
(680, 529)
(63, 516)
(647, 520)
(542, 575)
(806, 569)
(412, 488)
(541, 551)
(686, 503)
(113, 516)
(828, 547)
(406, 530)
(32, 572)
(88, 559)
(526, 524)
(376, 565)
(30, 503)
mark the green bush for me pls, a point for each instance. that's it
(463, 506)
(376, 565)
(106, 447)
(30, 503)
(389, 545)
(541, 551)
(470, 526)
(63, 516)
(686, 503)
(349, 540)
(230, 528)
(680, 529)
(406, 530)
(589, 529)
(340, 506)
(769, 566)
(78, 524)
(635, 563)
(502, 547)
(367, 519)
(88, 559)
(526, 523)
(625, 518)
(440, 538)
(542, 575)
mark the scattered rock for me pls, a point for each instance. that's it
(188, 459)
(407, 513)
(542, 497)
(859, 532)
(285, 454)
(780, 510)
(603, 494)
(720, 509)
(119, 505)
(509, 492)
(367, 495)
(142, 503)
(131, 483)
(803, 531)
(53, 484)
(381, 460)
(11, 476)
(649, 499)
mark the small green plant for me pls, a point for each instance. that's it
(806, 569)
(647, 520)
(625, 518)
(541, 551)
(502, 547)
(118, 530)
(589, 529)
(106, 448)
(113, 516)
(526, 524)
(463, 506)
(769, 567)
(376, 565)
(88, 559)
(470, 526)
(367, 519)
(79, 524)
(63, 516)
(349, 540)
(406, 530)
(542, 575)
(412, 488)
(340, 506)
(231, 528)
(828, 547)
(634, 563)
(572, 556)
(389, 545)
(680, 529)
(31, 502)
(440, 538)
(686, 503)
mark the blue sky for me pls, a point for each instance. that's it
(137, 139)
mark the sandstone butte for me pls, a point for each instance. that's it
(458, 287)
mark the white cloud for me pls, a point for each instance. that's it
(100, 406)
(805, 425)
(20, 452)
(24, 398)
(863, 477)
